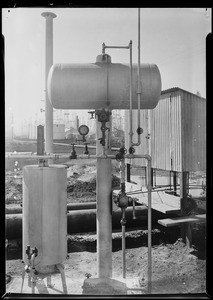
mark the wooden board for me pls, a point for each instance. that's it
(161, 201)
(181, 220)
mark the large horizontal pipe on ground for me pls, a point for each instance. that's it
(70, 206)
(82, 221)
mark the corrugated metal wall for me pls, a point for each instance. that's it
(193, 110)
(177, 131)
(160, 135)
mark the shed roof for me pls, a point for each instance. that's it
(175, 89)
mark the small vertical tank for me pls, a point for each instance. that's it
(45, 214)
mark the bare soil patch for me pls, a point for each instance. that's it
(175, 268)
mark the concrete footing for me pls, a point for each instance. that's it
(104, 286)
(75, 286)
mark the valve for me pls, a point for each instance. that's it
(35, 250)
(120, 155)
(123, 222)
(30, 267)
(28, 252)
(103, 117)
(86, 149)
(122, 200)
(73, 154)
(139, 130)
(131, 150)
(102, 141)
(31, 251)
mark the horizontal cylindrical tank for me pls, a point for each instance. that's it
(45, 213)
(89, 86)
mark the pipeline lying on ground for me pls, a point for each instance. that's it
(81, 221)
(70, 206)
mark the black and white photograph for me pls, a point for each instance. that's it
(105, 151)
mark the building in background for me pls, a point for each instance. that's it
(174, 133)
(58, 131)
(9, 125)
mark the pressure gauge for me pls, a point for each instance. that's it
(83, 129)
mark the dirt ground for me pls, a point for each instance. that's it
(175, 268)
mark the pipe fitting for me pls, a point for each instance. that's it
(122, 200)
(103, 48)
(43, 163)
(131, 150)
(86, 152)
(139, 130)
(73, 154)
(120, 155)
(123, 222)
(27, 269)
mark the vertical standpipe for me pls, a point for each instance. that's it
(48, 63)
(104, 205)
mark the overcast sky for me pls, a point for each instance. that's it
(172, 38)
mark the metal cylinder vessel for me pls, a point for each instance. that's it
(45, 214)
(102, 84)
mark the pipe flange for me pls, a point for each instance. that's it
(123, 222)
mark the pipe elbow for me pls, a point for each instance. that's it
(149, 158)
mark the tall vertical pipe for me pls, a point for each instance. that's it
(139, 81)
(48, 63)
(130, 95)
(123, 222)
(138, 89)
(104, 206)
(149, 226)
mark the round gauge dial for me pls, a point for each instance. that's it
(83, 129)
